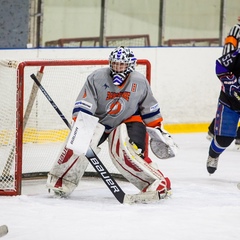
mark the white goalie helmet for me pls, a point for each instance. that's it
(122, 62)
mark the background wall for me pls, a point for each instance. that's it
(14, 18)
(183, 18)
(54, 19)
(183, 79)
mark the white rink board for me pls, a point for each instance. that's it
(183, 78)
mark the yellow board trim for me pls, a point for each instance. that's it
(45, 136)
(187, 127)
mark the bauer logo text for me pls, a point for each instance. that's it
(104, 174)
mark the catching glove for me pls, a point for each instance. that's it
(161, 143)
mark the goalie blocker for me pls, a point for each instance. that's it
(71, 164)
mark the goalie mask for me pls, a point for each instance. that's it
(122, 62)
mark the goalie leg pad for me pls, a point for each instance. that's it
(71, 164)
(134, 168)
(66, 172)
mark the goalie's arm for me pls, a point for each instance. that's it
(86, 100)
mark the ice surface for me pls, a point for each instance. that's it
(201, 207)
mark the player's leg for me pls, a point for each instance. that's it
(137, 134)
(237, 141)
(130, 161)
(70, 166)
(224, 133)
(66, 172)
(211, 130)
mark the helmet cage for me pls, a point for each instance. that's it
(122, 55)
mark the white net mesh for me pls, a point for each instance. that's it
(44, 130)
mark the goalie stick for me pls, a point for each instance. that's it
(113, 186)
(3, 230)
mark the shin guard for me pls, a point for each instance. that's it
(140, 172)
(66, 173)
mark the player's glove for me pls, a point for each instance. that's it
(161, 143)
(235, 91)
(230, 85)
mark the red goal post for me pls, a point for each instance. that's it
(31, 132)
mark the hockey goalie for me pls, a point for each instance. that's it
(115, 104)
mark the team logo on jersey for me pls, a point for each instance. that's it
(154, 108)
(105, 86)
(112, 95)
(84, 104)
(85, 94)
(115, 108)
(134, 87)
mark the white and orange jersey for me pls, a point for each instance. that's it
(132, 101)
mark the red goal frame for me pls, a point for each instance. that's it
(18, 159)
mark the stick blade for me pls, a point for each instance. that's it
(146, 197)
(3, 230)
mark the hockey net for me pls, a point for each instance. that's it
(31, 131)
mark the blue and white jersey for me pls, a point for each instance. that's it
(229, 65)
